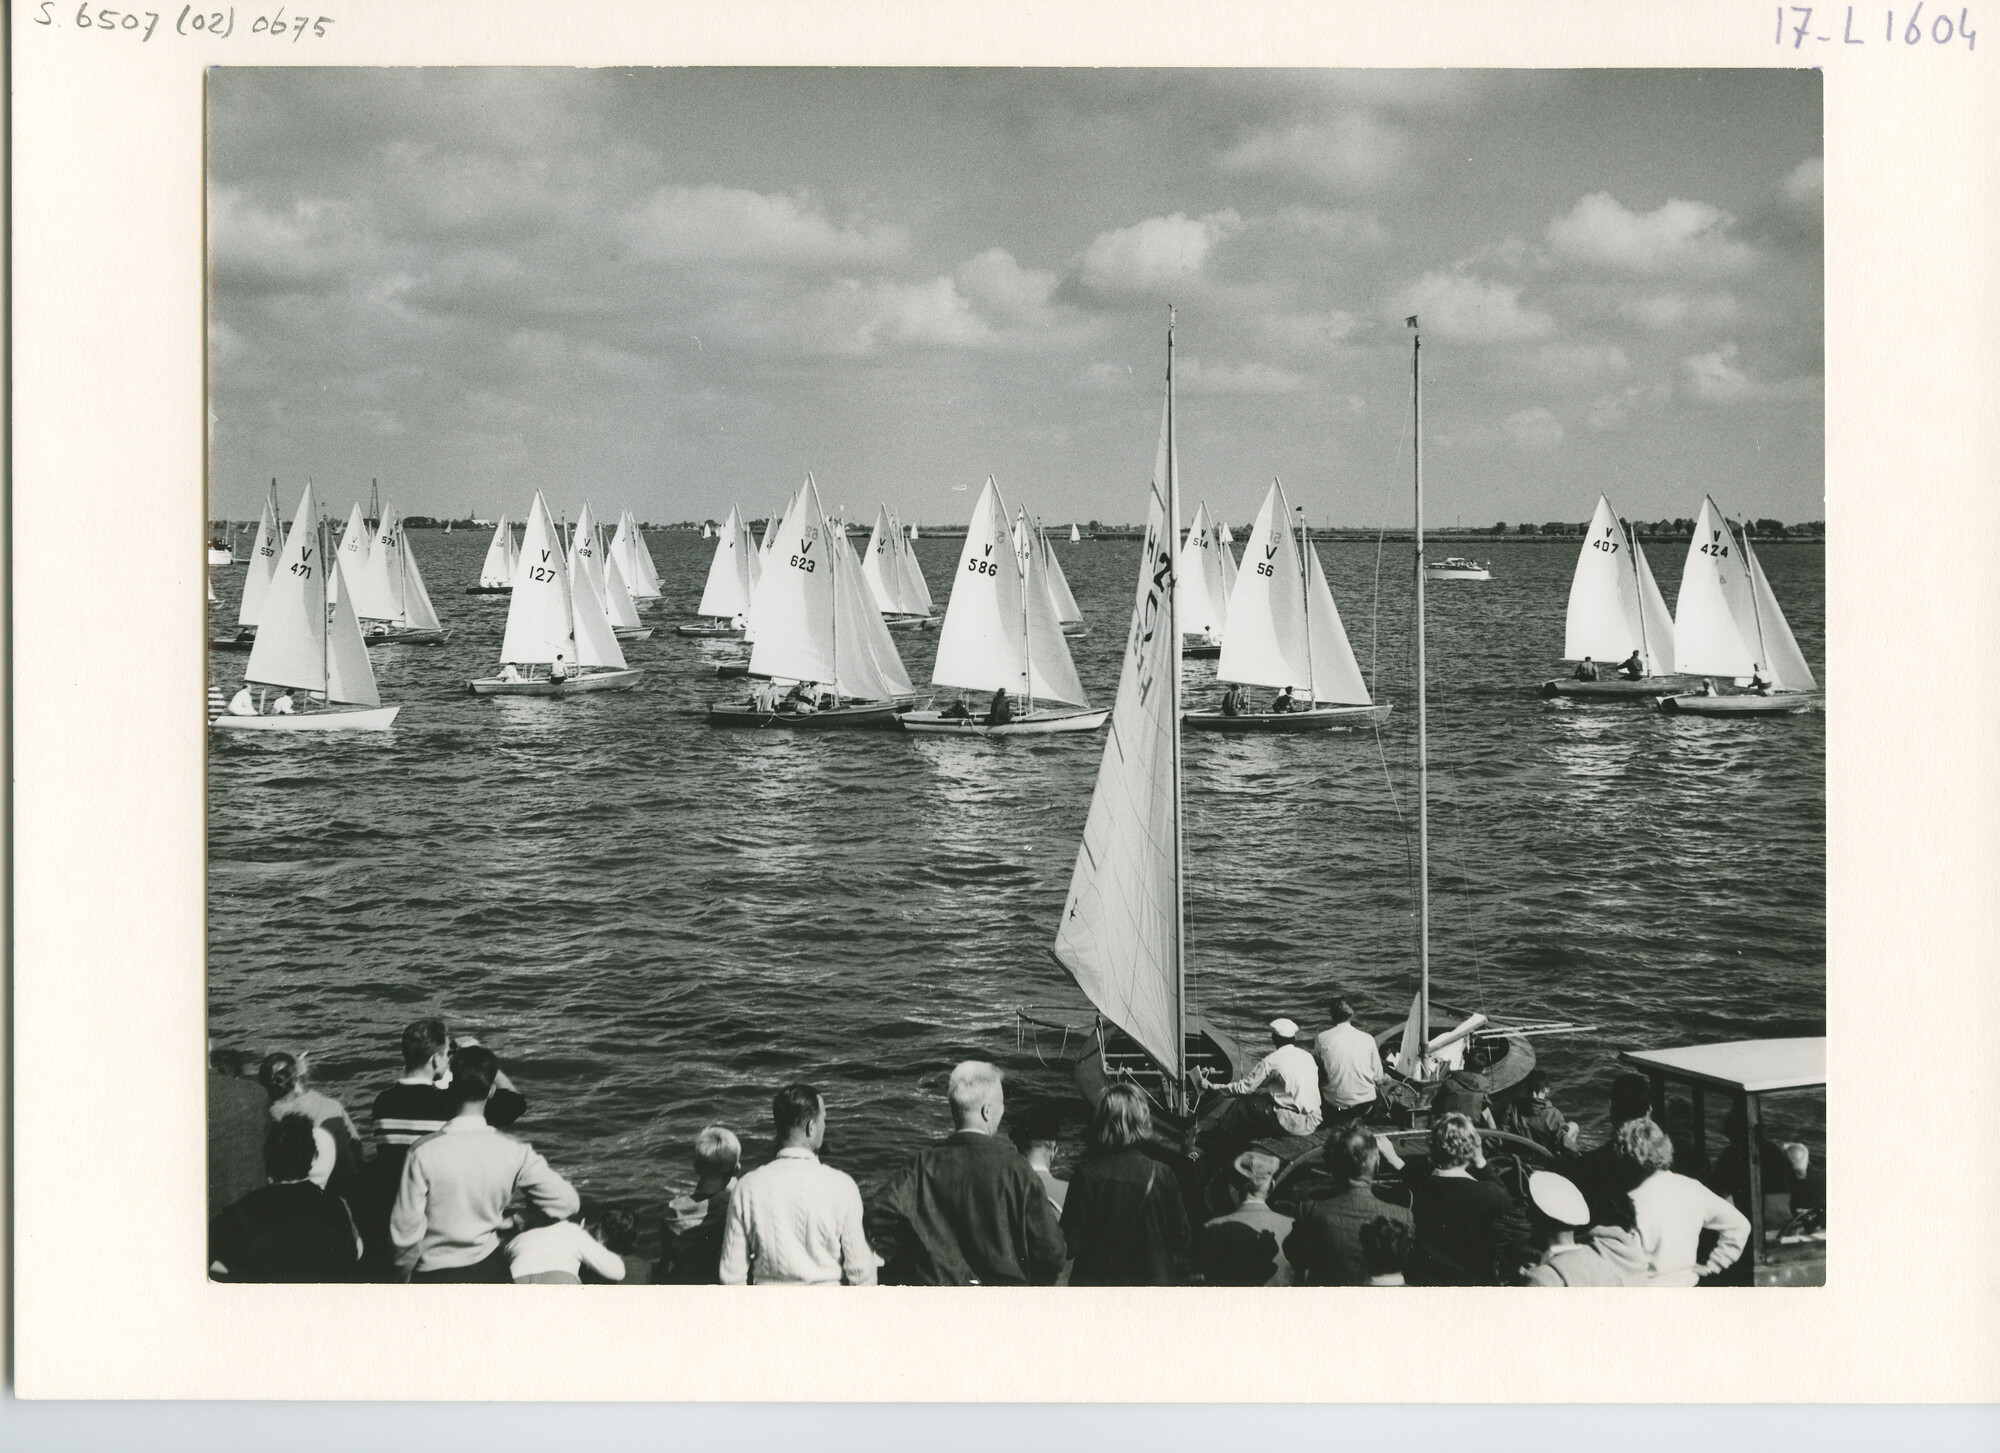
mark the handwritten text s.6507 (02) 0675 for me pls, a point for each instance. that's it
(220, 24)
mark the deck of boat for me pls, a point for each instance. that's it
(1318, 719)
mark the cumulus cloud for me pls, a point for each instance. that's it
(1804, 186)
(1354, 150)
(1475, 310)
(1308, 332)
(310, 245)
(1675, 237)
(1716, 378)
(728, 224)
(1534, 428)
(1615, 410)
(1155, 253)
(1004, 290)
(1570, 364)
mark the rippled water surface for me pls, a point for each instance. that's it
(656, 923)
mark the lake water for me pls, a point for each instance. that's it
(656, 923)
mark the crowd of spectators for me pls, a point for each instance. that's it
(439, 1191)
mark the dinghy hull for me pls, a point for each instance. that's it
(1780, 704)
(1196, 649)
(370, 719)
(1074, 629)
(571, 686)
(405, 638)
(737, 668)
(1319, 719)
(633, 633)
(909, 623)
(1431, 573)
(233, 643)
(221, 557)
(880, 716)
(1035, 723)
(489, 590)
(717, 633)
(1644, 689)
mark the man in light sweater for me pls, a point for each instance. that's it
(1671, 1211)
(795, 1220)
(457, 1184)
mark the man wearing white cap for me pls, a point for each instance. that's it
(1280, 1096)
(1611, 1257)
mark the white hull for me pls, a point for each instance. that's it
(367, 719)
(1035, 723)
(1781, 703)
(221, 557)
(1073, 629)
(632, 633)
(1434, 572)
(571, 686)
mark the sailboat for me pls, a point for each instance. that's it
(1223, 530)
(817, 627)
(1068, 613)
(1123, 933)
(635, 561)
(389, 593)
(1226, 558)
(1284, 632)
(733, 573)
(1202, 607)
(559, 641)
(1730, 624)
(309, 641)
(354, 543)
(1075, 535)
(1001, 634)
(1615, 609)
(263, 564)
(496, 576)
(589, 557)
(894, 581)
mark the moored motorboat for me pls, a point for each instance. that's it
(1457, 568)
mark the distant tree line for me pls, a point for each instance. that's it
(1682, 528)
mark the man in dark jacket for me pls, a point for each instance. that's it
(969, 1211)
(290, 1230)
(1470, 1232)
(1325, 1244)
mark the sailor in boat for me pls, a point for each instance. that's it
(1708, 686)
(1633, 667)
(765, 697)
(1232, 701)
(243, 703)
(957, 711)
(510, 672)
(559, 669)
(1758, 684)
(1001, 711)
(1280, 1096)
(1351, 1063)
(1586, 670)
(283, 705)
(1283, 703)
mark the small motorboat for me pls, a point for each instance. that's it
(1456, 568)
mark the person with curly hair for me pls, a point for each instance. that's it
(1469, 1230)
(1671, 1211)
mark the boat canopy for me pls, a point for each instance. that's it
(1749, 1066)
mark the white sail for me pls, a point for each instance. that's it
(1715, 618)
(1120, 937)
(1074, 534)
(1603, 620)
(912, 589)
(1264, 639)
(1658, 626)
(1201, 608)
(1783, 662)
(418, 612)
(1226, 558)
(596, 645)
(263, 562)
(881, 566)
(350, 677)
(628, 547)
(866, 664)
(538, 614)
(1336, 675)
(1001, 631)
(353, 551)
(291, 633)
(498, 571)
(1227, 538)
(378, 584)
(727, 592)
(773, 524)
(618, 603)
(1058, 584)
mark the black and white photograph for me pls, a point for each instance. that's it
(1021, 677)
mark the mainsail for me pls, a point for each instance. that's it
(1202, 606)
(378, 584)
(538, 615)
(498, 571)
(1614, 606)
(1715, 615)
(1000, 630)
(291, 634)
(1121, 936)
(814, 620)
(727, 593)
(263, 563)
(1264, 640)
(881, 567)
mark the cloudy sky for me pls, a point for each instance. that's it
(675, 289)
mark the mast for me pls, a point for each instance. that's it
(325, 537)
(1305, 598)
(1027, 636)
(1423, 722)
(1174, 715)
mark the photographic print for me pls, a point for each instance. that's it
(1094, 677)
